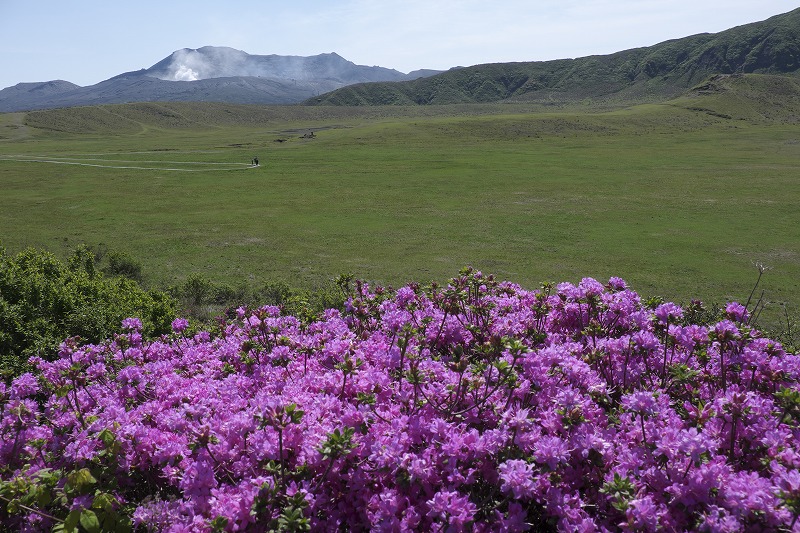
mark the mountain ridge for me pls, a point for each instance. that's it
(652, 73)
(645, 74)
(209, 73)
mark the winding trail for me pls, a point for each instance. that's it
(83, 162)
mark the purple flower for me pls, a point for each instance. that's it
(395, 319)
(551, 451)
(591, 287)
(726, 331)
(81, 502)
(668, 313)
(694, 444)
(617, 284)
(404, 296)
(789, 481)
(179, 325)
(132, 324)
(452, 508)
(736, 312)
(23, 386)
(198, 479)
(517, 477)
(640, 402)
(130, 375)
(718, 520)
(643, 514)
(515, 519)
(513, 410)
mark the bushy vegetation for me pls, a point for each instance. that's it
(476, 406)
(44, 300)
(204, 299)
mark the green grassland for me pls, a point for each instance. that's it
(681, 199)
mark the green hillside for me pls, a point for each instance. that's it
(752, 97)
(654, 73)
(138, 118)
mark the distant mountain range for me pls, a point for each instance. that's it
(653, 73)
(218, 74)
(210, 73)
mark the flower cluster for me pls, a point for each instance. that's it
(477, 406)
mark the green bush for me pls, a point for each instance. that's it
(197, 289)
(44, 300)
(122, 264)
(203, 299)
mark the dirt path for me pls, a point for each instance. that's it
(99, 163)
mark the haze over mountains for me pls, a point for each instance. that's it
(210, 73)
(219, 74)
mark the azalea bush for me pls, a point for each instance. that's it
(476, 406)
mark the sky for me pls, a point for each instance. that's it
(88, 41)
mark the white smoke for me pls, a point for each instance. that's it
(185, 73)
(219, 62)
(185, 65)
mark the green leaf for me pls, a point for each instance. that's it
(13, 507)
(79, 479)
(104, 501)
(366, 398)
(122, 524)
(219, 523)
(89, 521)
(107, 437)
(43, 498)
(71, 521)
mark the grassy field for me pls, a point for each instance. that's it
(676, 199)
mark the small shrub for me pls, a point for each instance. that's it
(122, 264)
(274, 293)
(197, 289)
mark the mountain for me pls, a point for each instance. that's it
(651, 73)
(19, 94)
(43, 88)
(219, 74)
(216, 74)
(222, 62)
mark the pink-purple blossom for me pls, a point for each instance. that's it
(179, 325)
(517, 477)
(477, 406)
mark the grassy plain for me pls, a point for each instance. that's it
(678, 200)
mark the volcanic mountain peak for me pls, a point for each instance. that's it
(209, 62)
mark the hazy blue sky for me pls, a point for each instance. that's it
(87, 41)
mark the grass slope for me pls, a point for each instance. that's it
(681, 199)
(646, 74)
(119, 119)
